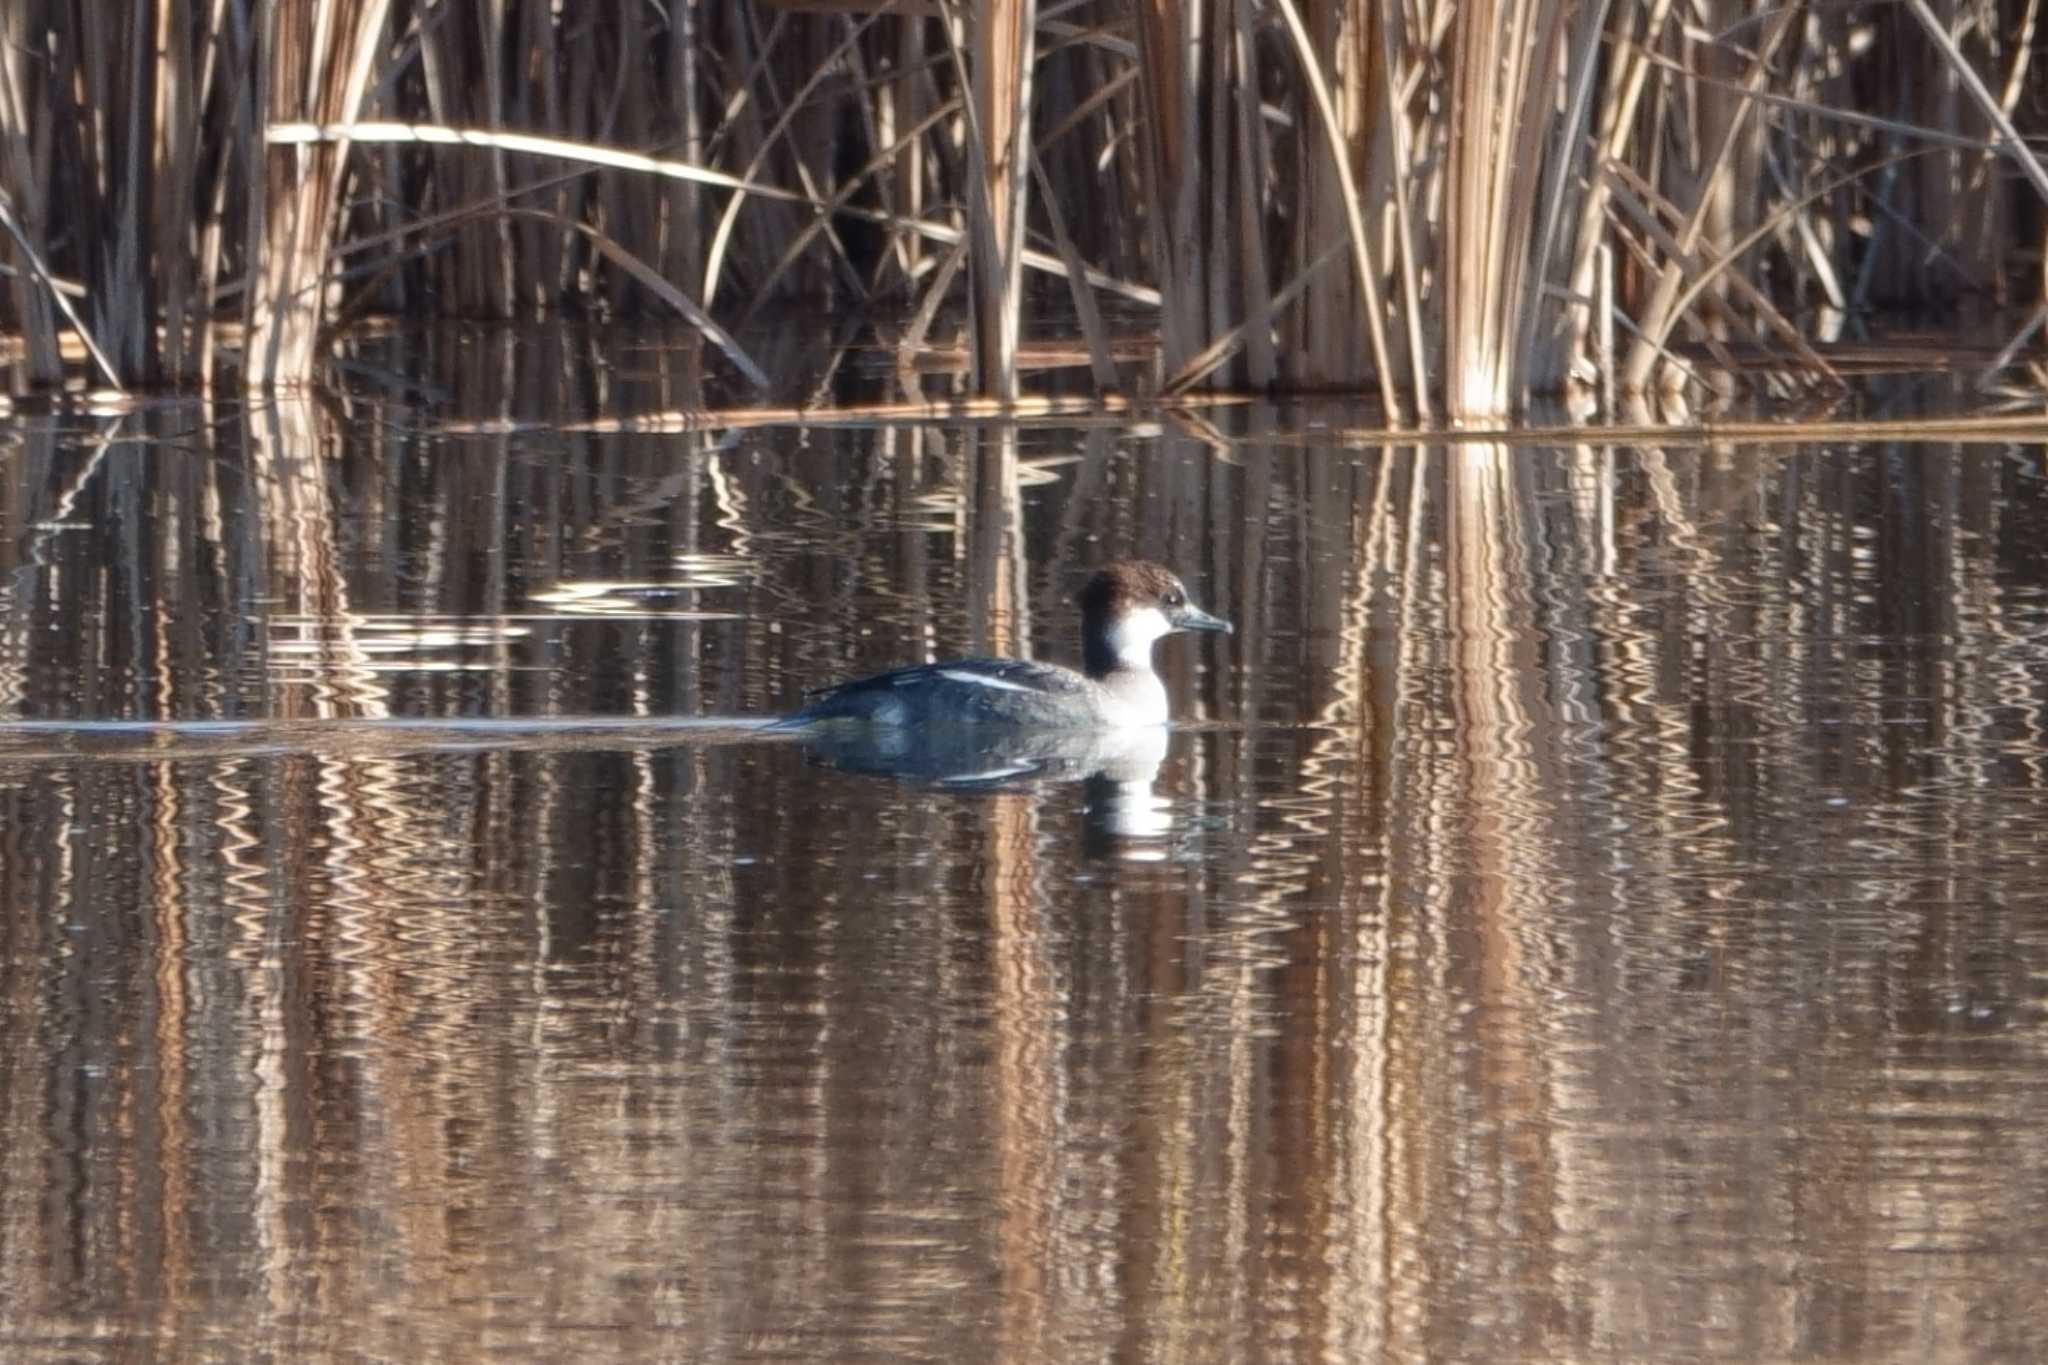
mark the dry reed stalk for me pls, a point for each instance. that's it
(1545, 364)
(121, 67)
(942, 277)
(1466, 152)
(462, 55)
(907, 98)
(1711, 225)
(176, 157)
(1696, 259)
(802, 127)
(1110, 412)
(1252, 182)
(42, 348)
(1000, 139)
(1397, 184)
(1086, 309)
(35, 297)
(1172, 171)
(1795, 210)
(551, 99)
(365, 133)
(797, 104)
(315, 59)
(1353, 209)
(1326, 345)
(633, 268)
(682, 247)
(1986, 429)
(1997, 113)
(1502, 105)
(633, 114)
(1627, 76)
(852, 185)
(1212, 356)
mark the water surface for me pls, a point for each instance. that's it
(1596, 907)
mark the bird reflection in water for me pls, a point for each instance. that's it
(1118, 767)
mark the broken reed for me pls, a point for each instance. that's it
(1448, 203)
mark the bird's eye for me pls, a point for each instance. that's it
(1175, 597)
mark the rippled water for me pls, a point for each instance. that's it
(1595, 909)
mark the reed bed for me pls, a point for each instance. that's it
(1452, 205)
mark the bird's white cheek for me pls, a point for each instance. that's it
(1133, 637)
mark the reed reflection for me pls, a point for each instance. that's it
(1601, 915)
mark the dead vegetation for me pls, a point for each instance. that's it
(1449, 204)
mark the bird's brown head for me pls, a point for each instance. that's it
(1130, 603)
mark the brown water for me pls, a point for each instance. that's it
(1599, 910)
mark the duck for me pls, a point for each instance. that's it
(1127, 607)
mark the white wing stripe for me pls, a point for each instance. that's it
(982, 680)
